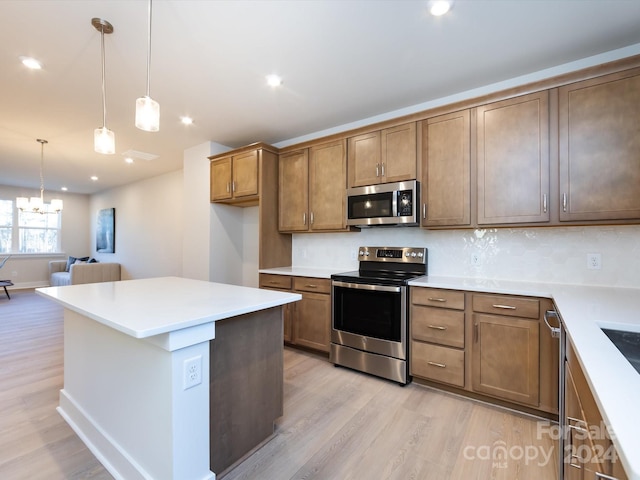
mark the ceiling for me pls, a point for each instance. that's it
(341, 61)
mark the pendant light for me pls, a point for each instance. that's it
(104, 140)
(147, 109)
(36, 204)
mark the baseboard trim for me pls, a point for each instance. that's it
(106, 450)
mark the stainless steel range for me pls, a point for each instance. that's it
(369, 319)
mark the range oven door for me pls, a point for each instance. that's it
(371, 318)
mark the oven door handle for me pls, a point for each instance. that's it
(365, 286)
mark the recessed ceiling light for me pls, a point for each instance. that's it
(128, 160)
(31, 63)
(186, 120)
(440, 7)
(94, 178)
(64, 189)
(274, 80)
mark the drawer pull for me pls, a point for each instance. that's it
(437, 327)
(436, 364)
(504, 307)
(433, 299)
(602, 476)
(273, 282)
(310, 285)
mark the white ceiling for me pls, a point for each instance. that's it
(341, 61)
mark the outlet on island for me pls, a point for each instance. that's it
(192, 372)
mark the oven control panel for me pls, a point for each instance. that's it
(393, 254)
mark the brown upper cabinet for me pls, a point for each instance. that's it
(502, 149)
(246, 177)
(446, 183)
(513, 160)
(600, 148)
(383, 156)
(235, 178)
(312, 185)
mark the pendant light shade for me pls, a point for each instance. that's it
(147, 109)
(104, 140)
(147, 114)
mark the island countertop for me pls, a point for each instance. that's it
(154, 306)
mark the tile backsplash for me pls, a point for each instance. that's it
(554, 254)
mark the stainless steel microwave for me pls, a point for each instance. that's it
(384, 204)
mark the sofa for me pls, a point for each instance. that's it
(81, 272)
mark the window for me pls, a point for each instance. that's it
(6, 225)
(28, 232)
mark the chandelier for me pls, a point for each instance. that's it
(36, 204)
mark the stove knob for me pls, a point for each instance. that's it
(413, 254)
(420, 255)
(366, 254)
(407, 254)
(361, 253)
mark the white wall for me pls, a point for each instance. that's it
(476, 92)
(149, 226)
(196, 212)
(27, 271)
(548, 255)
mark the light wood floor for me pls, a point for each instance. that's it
(338, 424)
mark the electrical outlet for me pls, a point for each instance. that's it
(475, 259)
(192, 372)
(594, 261)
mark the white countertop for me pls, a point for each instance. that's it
(305, 271)
(584, 310)
(154, 306)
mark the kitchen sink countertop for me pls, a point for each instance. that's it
(585, 310)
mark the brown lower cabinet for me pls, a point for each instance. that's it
(588, 452)
(505, 351)
(487, 345)
(307, 323)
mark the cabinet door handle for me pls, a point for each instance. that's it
(504, 307)
(564, 202)
(233, 186)
(311, 219)
(377, 169)
(580, 425)
(228, 187)
(437, 327)
(424, 211)
(555, 331)
(602, 476)
(436, 364)
(382, 170)
(475, 332)
(304, 218)
(544, 203)
(434, 299)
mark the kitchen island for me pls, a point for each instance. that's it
(146, 361)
